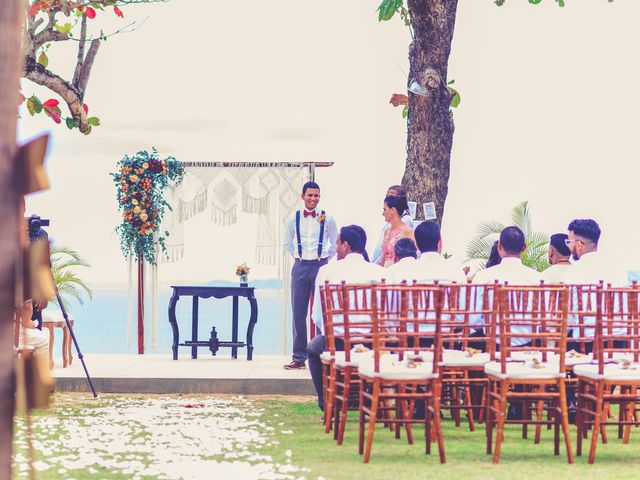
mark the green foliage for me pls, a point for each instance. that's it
(534, 256)
(64, 260)
(455, 95)
(140, 182)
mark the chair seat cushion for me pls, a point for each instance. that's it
(523, 370)
(571, 358)
(457, 358)
(398, 370)
(354, 359)
(612, 371)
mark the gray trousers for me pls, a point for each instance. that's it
(303, 281)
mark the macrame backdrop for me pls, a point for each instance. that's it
(270, 191)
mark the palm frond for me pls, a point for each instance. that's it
(521, 218)
(63, 262)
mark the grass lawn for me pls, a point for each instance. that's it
(152, 437)
(311, 448)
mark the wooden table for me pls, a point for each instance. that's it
(196, 292)
(67, 355)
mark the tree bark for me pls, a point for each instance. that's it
(430, 125)
(11, 23)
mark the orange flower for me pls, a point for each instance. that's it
(137, 210)
(133, 178)
(134, 201)
(145, 165)
(143, 217)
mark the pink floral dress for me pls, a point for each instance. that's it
(391, 236)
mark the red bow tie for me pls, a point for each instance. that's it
(312, 213)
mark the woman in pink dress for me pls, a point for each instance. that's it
(392, 212)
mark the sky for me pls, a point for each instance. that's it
(548, 114)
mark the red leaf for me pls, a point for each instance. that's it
(21, 97)
(85, 107)
(118, 12)
(90, 12)
(35, 8)
(398, 99)
(52, 102)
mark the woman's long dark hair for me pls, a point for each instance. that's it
(397, 202)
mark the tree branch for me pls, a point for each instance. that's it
(83, 79)
(80, 60)
(69, 93)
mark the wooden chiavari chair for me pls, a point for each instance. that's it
(532, 322)
(467, 325)
(347, 319)
(406, 362)
(614, 377)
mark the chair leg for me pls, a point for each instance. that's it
(599, 412)
(539, 413)
(372, 420)
(631, 411)
(435, 399)
(556, 430)
(344, 410)
(329, 398)
(579, 417)
(501, 414)
(489, 416)
(361, 418)
(467, 392)
(406, 415)
(564, 417)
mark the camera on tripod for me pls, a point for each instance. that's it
(34, 225)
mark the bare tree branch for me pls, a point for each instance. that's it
(80, 60)
(83, 79)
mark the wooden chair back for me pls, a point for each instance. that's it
(533, 319)
(582, 315)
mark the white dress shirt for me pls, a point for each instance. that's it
(590, 269)
(352, 269)
(512, 271)
(377, 251)
(430, 267)
(555, 273)
(309, 236)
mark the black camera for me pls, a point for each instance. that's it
(34, 225)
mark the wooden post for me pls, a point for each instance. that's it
(140, 305)
(11, 23)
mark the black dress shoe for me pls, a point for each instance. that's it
(295, 365)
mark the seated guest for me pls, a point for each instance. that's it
(510, 269)
(589, 268)
(396, 191)
(30, 335)
(558, 254)
(351, 267)
(393, 209)
(406, 254)
(494, 256)
(431, 266)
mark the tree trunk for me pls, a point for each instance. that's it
(430, 126)
(11, 18)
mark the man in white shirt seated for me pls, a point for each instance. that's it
(431, 266)
(589, 267)
(559, 254)
(353, 266)
(510, 270)
(395, 191)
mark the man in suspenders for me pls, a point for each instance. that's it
(310, 237)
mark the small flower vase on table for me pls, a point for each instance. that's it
(242, 271)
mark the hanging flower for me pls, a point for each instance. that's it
(140, 181)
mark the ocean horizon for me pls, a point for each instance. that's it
(101, 323)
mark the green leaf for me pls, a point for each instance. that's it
(34, 105)
(535, 2)
(405, 111)
(451, 82)
(64, 28)
(43, 59)
(387, 9)
(95, 121)
(71, 123)
(30, 106)
(455, 100)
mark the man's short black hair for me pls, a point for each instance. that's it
(586, 228)
(398, 190)
(512, 240)
(405, 247)
(427, 236)
(557, 241)
(397, 202)
(309, 185)
(356, 237)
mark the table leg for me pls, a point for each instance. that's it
(50, 327)
(194, 327)
(69, 342)
(253, 319)
(174, 324)
(234, 328)
(65, 339)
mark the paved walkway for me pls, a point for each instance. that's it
(206, 374)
